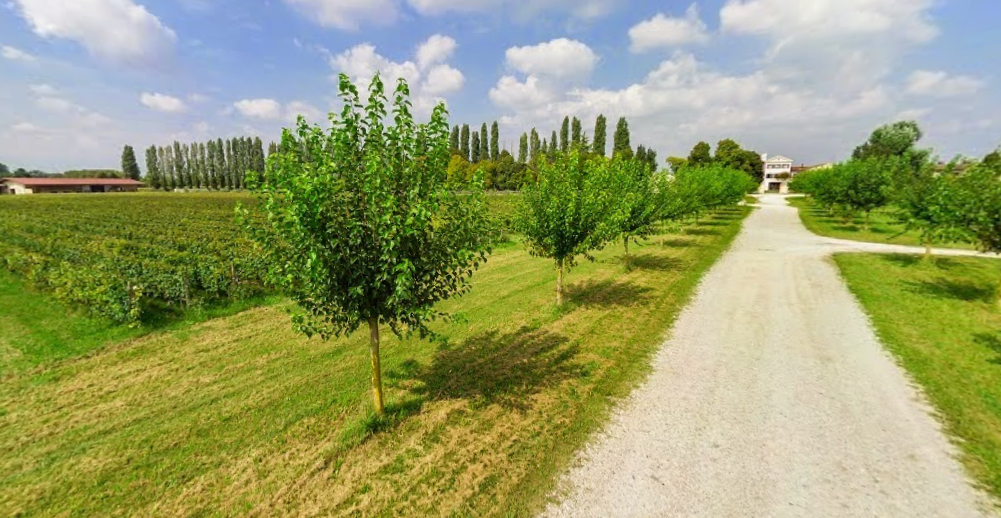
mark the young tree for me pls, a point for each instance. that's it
(475, 149)
(171, 168)
(620, 141)
(361, 225)
(484, 142)
(600, 129)
(930, 203)
(544, 150)
(700, 155)
(130, 167)
(576, 135)
(553, 146)
(980, 214)
(565, 135)
(152, 168)
(464, 149)
(640, 153)
(494, 141)
(569, 210)
(643, 195)
(523, 148)
(534, 146)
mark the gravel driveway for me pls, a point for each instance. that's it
(773, 397)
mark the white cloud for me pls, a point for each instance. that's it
(55, 104)
(512, 93)
(259, 108)
(663, 31)
(312, 114)
(162, 102)
(436, 49)
(347, 14)
(198, 98)
(117, 30)
(560, 58)
(429, 77)
(43, 89)
(26, 127)
(15, 54)
(940, 84)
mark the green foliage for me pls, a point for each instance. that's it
(979, 192)
(523, 148)
(130, 167)
(731, 155)
(600, 135)
(534, 146)
(576, 133)
(565, 135)
(484, 143)
(153, 177)
(894, 140)
(676, 163)
(620, 141)
(453, 140)
(475, 149)
(571, 209)
(853, 186)
(494, 141)
(4, 170)
(360, 225)
(93, 173)
(930, 202)
(700, 155)
(464, 145)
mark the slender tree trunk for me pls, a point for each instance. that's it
(559, 282)
(867, 213)
(625, 242)
(373, 327)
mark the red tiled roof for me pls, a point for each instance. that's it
(43, 182)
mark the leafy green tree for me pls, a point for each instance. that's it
(569, 211)
(700, 155)
(640, 153)
(361, 225)
(534, 146)
(730, 154)
(484, 143)
(476, 149)
(494, 141)
(210, 161)
(464, 149)
(130, 167)
(152, 168)
(930, 202)
(620, 141)
(600, 132)
(230, 165)
(993, 159)
(453, 140)
(676, 163)
(221, 166)
(576, 134)
(565, 135)
(273, 148)
(523, 148)
(172, 182)
(643, 197)
(4, 170)
(544, 151)
(553, 146)
(979, 189)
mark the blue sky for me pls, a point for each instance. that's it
(806, 79)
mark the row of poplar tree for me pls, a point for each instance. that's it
(216, 164)
(475, 146)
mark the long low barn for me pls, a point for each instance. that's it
(66, 185)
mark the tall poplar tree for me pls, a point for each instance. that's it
(464, 145)
(220, 164)
(171, 168)
(600, 128)
(533, 146)
(620, 142)
(178, 166)
(565, 135)
(576, 133)
(152, 168)
(484, 142)
(130, 167)
(229, 165)
(494, 141)
(210, 178)
(553, 146)
(523, 148)
(453, 140)
(475, 148)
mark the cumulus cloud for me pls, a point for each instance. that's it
(938, 83)
(560, 58)
(116, 30)
(162, 103)
(663, 31)
(347, 15)
(268, 109)
(15, 54)
(312, 114)
(431, 79)
(43, 89)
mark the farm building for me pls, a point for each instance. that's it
(67, 185)
(779, 171)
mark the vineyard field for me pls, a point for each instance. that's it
(125, 256)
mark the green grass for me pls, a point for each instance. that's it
(883, 227)
(239, 415)
(940, 320)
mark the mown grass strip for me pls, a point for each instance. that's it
(939, 320)
(241, 416)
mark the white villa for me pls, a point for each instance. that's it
(778, 172)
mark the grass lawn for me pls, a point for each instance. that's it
(238, 415)
(940, 321)
(883, 228)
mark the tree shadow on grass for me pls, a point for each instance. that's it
(949, 289)
(991, 341)
(607, 293)
(494, 368)
(701, 231)
(655, 262)
(673, 242)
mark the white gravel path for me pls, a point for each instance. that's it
(773, 397)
